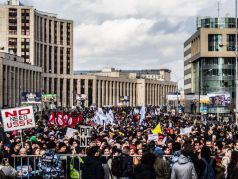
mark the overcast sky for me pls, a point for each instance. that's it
(132, 34)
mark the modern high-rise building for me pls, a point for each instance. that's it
(43, 40)
(209, 61)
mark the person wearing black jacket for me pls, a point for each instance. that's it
(146, 169)
(127, 163)
(92, 167)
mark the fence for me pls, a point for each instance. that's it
(27, 166)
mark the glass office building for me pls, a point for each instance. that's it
(209, 61)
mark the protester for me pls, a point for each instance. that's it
(232, 170)
(183, 168)
(146, 170)
(50, 167)
(161, 165)
(92, 167)
(207, 164)
(6, 171)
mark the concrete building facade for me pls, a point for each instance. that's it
(37, 56)
(209, 60)
(16, 76)
(43, 40)
(105, 88)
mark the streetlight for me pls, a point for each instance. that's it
(236, 65)
(177, 81)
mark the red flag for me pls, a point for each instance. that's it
(60, 120)
(52, 118)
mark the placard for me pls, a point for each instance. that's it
(152, 137)
(85, 135)
(18, 118)
(70, 132)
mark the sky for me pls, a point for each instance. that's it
(132, 34)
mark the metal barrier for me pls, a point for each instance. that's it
(27, 166)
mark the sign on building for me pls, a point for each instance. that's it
(85, 135)
(18, 118)
(30, 97)
(124, 98)
(48, 98)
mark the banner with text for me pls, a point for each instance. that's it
(18, 118)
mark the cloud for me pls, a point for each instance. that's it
(131, 34)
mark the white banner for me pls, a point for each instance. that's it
(187, 130)
(18, 118)
(152, 137)
(70, 132)
(173, 97)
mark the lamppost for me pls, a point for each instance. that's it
(236, 73)
(177, 90)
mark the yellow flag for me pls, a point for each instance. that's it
(157, 129)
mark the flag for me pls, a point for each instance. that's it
(60, 120)
(142, 114)
(52, 118)
(157, 129)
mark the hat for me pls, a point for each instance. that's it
(158, 151)
(7, 145)
(33, 139)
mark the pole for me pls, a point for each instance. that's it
(236, 73)
(21, 138)
(177, 98)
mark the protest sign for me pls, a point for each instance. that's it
(152, 137)
(70, 132)
(18, 118)
(85, 135)
(187, 130)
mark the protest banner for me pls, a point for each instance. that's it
(152, 137)
(18, 118)
(186, 130)
(85, 135)
(70, 132)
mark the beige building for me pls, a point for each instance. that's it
(105, 88)
(37, 56)
(43, 40)
(209, 60)
(17, 76)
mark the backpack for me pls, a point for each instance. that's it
(116, 168)
(209, 172)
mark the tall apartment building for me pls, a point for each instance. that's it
(209, 60)
(43, 40)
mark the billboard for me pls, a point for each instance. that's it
(219, 99)
(47, 98)
(27, 97)
(81, 97)
(18, 118)
(124, 98)
(173, 97)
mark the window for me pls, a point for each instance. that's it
(12, 26)
(214, 41)
(12, 46)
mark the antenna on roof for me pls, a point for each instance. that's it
(218, 8)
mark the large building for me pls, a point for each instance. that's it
(43, 40)
(36, 55)
(17, 76)
(106, 87)
(209, 60)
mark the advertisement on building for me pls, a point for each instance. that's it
(124, 98)
(48, 98)
(219, 99)
(18, 118)
(81, 97)
(27, 97)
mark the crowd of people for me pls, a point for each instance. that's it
(122, 149)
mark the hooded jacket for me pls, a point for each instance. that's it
(183, 169)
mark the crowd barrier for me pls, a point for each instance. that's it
(27, 165)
